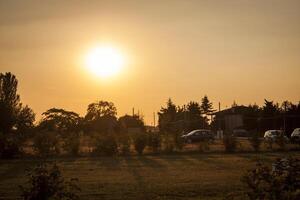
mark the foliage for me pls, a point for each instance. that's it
(127, 121)
(60, 120)
(281, 141)
(140, 142)
(203, 145)
(46, 143)
(230, 142)
(206, 105)
(178, 141)
(124, 144)
(71, 143)
(105, 145)
(255, 141)
(154, 142)
(168, 143)
(14, 117)
(10, 145)
(99, 109)
(280, 182)
(167, 117)
(48, 183)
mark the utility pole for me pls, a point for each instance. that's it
(154, 119)
(133, 111)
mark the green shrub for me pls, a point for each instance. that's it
(230, 142)
(255, 141)
(105, 144)
(282, 181)
(45, 183)
(154, 142)
(140, 142)
(46, 143)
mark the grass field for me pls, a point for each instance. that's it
(189, 176)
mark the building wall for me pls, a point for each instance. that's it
(233, 121)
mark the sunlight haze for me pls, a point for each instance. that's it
(242, 51)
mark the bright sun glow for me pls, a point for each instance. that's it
(104, 61)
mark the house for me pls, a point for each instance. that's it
(231, 118)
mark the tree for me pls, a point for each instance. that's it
(13, 116)
(167, 117)
(206, 106)
(60, 120)
(101, 117)
(270, 116)
(15, 119)
(100, 109)
(194, 118)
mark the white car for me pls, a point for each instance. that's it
(295, 136)
(272, 135)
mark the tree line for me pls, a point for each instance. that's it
(61, 129)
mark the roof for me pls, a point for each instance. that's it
(232, 110)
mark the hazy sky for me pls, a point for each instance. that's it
(228, 49)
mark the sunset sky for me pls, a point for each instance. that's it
(231, 50)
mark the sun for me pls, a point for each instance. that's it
(104, 61)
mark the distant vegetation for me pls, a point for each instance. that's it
(101, 132)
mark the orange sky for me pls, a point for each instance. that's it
(242, 50)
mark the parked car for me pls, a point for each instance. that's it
(272, 135)
(295, 136)
(198, 135)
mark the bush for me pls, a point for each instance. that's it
(154, 142)
(282, 181)
(178, 141)
(10, 146)
(255, 141)
(46, 143)
(281, 141)
(168, 143)
(124, 143)
(71, 144)
(203, 145)
(48, 183)
(140, 142)
(229, 142)
(269, 143)
(105, 144)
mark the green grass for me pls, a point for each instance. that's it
(194, 176)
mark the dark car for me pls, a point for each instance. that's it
(198, 135)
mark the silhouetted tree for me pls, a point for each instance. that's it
(13, 116)
(167, 117)
(100, 109)
(270, 116)
(101, 117)
(15, 119)
(60, 120)
(206, 107)
(194, 116)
